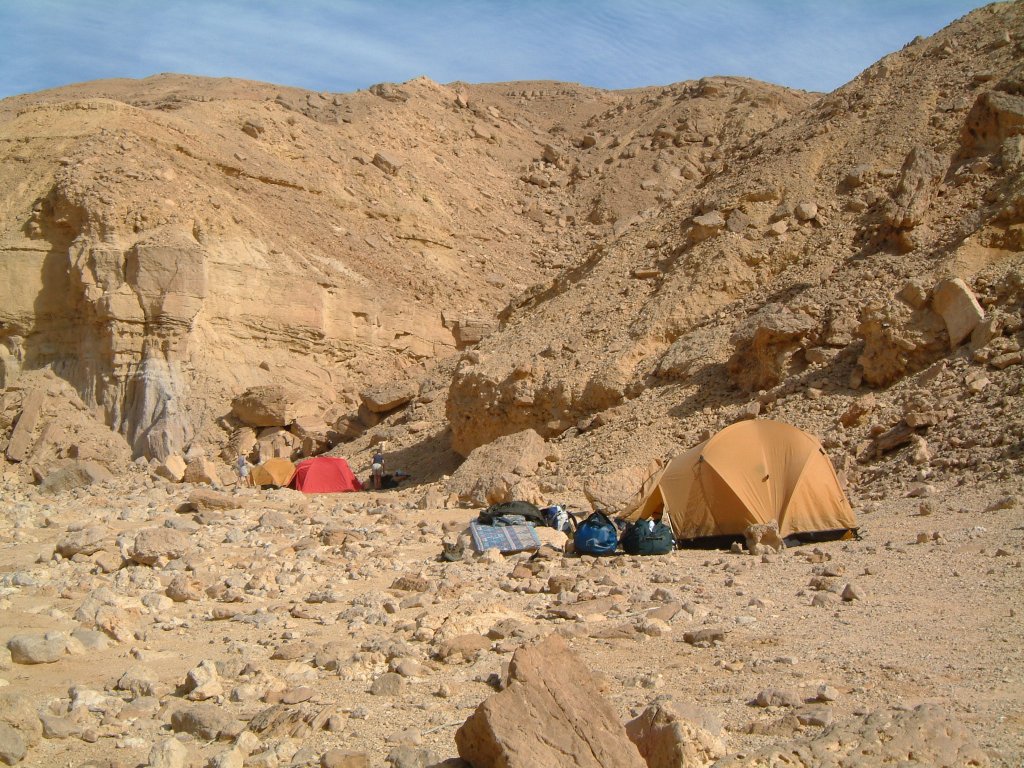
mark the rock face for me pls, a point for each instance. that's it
(996, 116)
(898, 341)
(551, 713)
(764, 344)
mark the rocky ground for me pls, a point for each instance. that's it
(269, 628)
(525, 290)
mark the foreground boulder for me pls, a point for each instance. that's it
(551, 714)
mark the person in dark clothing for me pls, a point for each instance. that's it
(377, 470)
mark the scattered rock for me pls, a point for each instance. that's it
(38, 649)
(551, 713)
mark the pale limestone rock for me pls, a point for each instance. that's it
(74, 474)
(152, 545)
(387, 163)
(205, 721)
(12, 745)
(169, 753)
(805, 210)
(22, 436)
(203, 682)
(269, 406)
(955, 303)
(706, 226)
(18, 711)
(86, 541)
(37, 649)
(201, 470)
(995, 116)
(764, 344)
(921, 170)
(172, 468)
(395, 395)
(491, 471)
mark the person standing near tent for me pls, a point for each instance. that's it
(242, 467)
(377, 470)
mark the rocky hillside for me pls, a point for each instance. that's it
(522, 290)
(437, 266)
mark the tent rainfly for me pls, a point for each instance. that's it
(752, 472)
(325, 474)
(276, 471)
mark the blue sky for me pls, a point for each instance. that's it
(343, 45)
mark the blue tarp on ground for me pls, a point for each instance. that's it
(505, 538)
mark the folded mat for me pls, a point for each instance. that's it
(505, 538)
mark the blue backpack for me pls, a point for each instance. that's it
(597, 535)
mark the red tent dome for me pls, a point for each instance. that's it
(325, 474)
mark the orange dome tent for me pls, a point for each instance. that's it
(752, 472)
(277, 472)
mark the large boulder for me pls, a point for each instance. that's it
(153, 545)
(86, 541)
(955, 303)
(614, 491)
(898, 341)
(390, 397)
(172, 468)
(706, 226)
(201, 470)
(995, 116)
(493, 470)
(550, 714)
(75, 474)
(470, 330)
(269, 406)
(37, 649)
(18, 711)
(908, 207)
(764, 344)
(21, 437)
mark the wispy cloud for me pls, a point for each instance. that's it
(341, 45)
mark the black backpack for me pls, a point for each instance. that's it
(647, 537)
(525, 509)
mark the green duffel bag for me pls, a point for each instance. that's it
(647, 537)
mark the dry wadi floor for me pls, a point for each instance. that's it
(312, 599)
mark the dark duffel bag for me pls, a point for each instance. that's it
(527, 510)
(648, 537)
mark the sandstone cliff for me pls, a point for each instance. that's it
(617, 271)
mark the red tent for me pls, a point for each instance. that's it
(325, 474)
